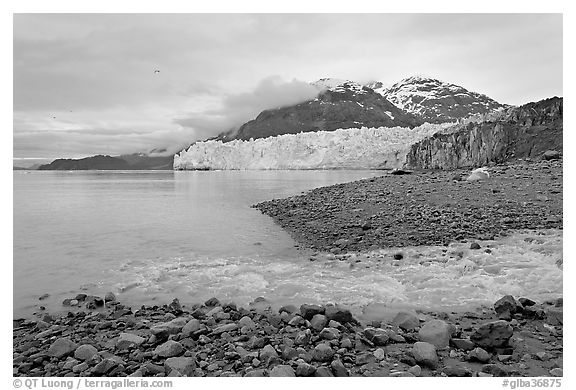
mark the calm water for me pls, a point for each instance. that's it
(152, 236)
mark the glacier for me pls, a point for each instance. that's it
(354, 148)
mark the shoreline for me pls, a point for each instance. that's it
(515, 337)
(428, 207)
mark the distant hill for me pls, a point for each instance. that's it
(95, 162)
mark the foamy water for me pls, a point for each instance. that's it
(152, 236)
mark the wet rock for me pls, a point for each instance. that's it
(556, 372)
(309, 311)
(128, 340)
(191, 327)
(225, 328)
(475, 246)
(338, 313)
(323, 353)
(212, 302)
(330, 334)
(318, 322)
(464, 344)
(379, 354)
(494, 370)
(246, 321)
(62, 347)
(183, 365)
(85, 352)
(290, 309)
(479, 354)
(377, 336)
(436, 332)
(305, 369)
(425, 354)
(457, 370)
(267, 353)
(163, 330)
(282, 370)
(551, 155)
(169, 349)
(110, 297)
(406, 321)
(303, 337)
(506, 307)
(492, 334)
(338, 369)
(526, 302)
(104, 366)
(297, 321)
(555, 316)
(415, 370)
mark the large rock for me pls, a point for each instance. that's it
(170, 348)
(506, 307)
(551, 155)
(191, 326)
(267, 354)
(225, 328)
(318, 322)
(425, 354)
(479, 354)
(85, 352)
(492, 334)
(127, 340)
(62, 347)
(183, 365)
(338, 313)
(165, 329)
(282, 370)
(338, 369)
(309, 311)
(323, 353)
(377, 336)
(406, 321)
(436, 332)
(305, 369)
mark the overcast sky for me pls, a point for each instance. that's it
(85, 84)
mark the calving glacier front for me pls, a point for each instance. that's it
(365, 148)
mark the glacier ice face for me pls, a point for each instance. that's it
(365, 148)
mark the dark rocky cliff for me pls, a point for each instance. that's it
(525, 131)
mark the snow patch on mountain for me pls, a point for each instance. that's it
(354, 148)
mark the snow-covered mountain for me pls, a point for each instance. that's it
(340, 104)
(436, 101)
(358, 148)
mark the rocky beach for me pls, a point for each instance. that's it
(516, 336)
(102, 337)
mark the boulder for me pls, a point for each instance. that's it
(318, 322)
(436, 332)
(183, 365)
(479, 354)
(246, 321)
(478, 174)
(212, 302)
(309, 311)
(62, 347)
(169, 349)
(330, 334)
(406, 321)
(338, 313)
(506, 307)
(338, 369)
(163, 330)
(323, 353)
(492, 334)
(551, 155)
(128, 340)
(323, 371)
(305, 369)
(191, 326)
(85, 352)
(377, 336)
(267, 353)
(425, 354)
(282, 370)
